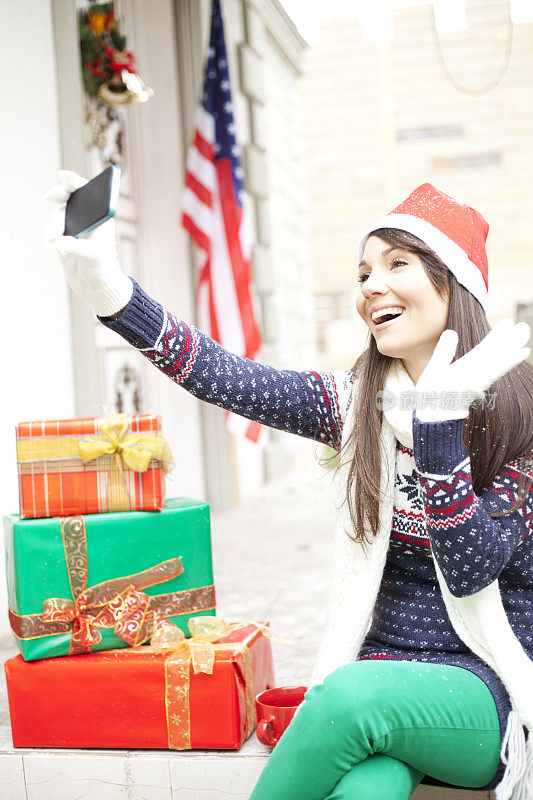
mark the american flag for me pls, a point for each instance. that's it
(213, 216)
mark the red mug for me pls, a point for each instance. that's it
(275, 709)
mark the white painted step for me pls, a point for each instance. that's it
(149, 775)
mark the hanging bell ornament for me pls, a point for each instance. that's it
(125, 88)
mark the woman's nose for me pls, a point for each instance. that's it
(373, 285)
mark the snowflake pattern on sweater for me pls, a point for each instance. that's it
(403, 600)
(435, 507)
(303, 403)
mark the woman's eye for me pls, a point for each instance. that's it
(395, 263)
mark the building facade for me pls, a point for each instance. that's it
(60, 362)
(382, 117)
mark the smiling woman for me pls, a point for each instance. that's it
(409, 273)
(399, 303)
(436, 498)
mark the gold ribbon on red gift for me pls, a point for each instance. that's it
(133, 450)
(199, 651)
(118, 603)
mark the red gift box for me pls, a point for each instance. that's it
(138, 698)
(91, 465)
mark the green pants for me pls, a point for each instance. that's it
(373, 729)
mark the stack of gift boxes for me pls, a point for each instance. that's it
(112, 602)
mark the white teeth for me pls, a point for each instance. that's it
(383, 311)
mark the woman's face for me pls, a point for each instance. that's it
(391, 276)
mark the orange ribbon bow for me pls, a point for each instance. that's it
(126, 611)
(118, 602)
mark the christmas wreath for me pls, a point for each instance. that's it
(106, 63)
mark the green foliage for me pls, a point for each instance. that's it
(101, 43)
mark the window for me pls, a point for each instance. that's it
(433, 132)
(468, 161)
(330, 308)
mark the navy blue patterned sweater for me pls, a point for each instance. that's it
(434, 501)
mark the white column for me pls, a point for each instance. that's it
(36, 377)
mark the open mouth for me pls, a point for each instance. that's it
(385, 320)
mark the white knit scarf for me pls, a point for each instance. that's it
(479, 619)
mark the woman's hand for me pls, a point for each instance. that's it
(445, 391)
(91, 263)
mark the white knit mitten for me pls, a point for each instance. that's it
(445, 391)
(91, 263)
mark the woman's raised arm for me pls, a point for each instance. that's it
(308, 404)
(304, 403)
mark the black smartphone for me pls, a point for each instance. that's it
(92, 204)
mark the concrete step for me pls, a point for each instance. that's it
(148, 775)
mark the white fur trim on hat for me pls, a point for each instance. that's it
(455, 258)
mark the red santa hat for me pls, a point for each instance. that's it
(456, 233)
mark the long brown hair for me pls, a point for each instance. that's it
(494, 433)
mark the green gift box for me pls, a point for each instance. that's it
(102, 581)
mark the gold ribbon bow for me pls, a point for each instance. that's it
(134, 450)
(199, 648)
(200, 651)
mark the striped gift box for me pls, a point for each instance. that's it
(91, 465)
